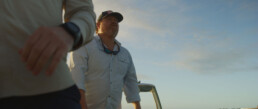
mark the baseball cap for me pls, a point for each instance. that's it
(110, 13)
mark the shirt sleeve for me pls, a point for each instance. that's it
(81, 12)
(131, 84)
(78, 66)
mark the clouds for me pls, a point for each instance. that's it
(139, 14)
(213, 53)
(195, 47)
(146, 24)
(218, 54)
(206, 61)
(141, 76)
(202, 37)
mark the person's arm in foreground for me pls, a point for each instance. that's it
(46, 43)
(51, 44)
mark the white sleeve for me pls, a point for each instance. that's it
(131, 84)
(81, 12)
(78, 66)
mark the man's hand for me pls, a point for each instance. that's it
(137, 105)
(83, 101)
(46, 44)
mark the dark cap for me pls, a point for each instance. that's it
(110, 13)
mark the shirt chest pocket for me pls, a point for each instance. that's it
(123, 65)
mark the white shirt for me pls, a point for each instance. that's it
(18, 21)
(103, 76)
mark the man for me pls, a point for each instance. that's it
(104, 68)
(34, 44)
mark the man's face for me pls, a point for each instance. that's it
(109, 25)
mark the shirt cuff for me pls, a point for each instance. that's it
(133, 99)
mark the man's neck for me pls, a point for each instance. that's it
(109, 41)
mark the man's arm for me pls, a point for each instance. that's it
(81, 13)
(78, 66)
(83, 101)
(131, 86)
(51, 44)
(46, 44)
(137, 105)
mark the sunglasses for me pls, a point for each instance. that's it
(106, 50)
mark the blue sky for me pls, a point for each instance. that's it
(200, 54)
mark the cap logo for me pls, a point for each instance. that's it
(109, 12)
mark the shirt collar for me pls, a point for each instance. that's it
(100, 43)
